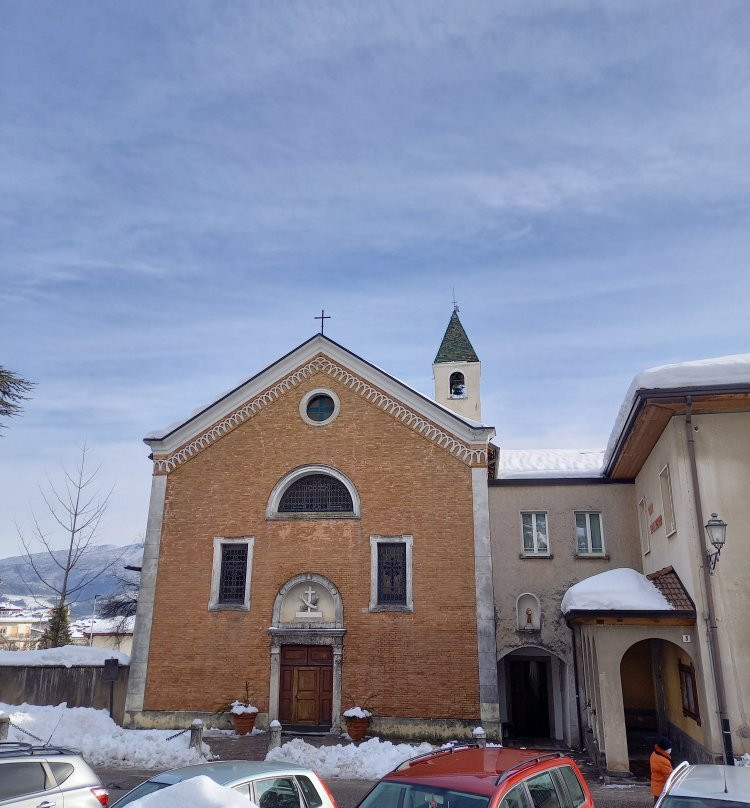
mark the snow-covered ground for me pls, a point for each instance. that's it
(370, 760)
(99, 739)
(198, 792)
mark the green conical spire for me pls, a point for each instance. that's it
(455, 346)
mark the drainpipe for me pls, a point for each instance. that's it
(578, 688)
(712, 635)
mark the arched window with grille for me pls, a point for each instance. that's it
(313, 491)
(316, 493)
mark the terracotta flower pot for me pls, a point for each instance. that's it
(357, 727)
(244, 723)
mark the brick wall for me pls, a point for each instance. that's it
(420, 664)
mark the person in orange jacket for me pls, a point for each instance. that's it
(661, 765)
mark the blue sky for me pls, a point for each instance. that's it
(183, 186)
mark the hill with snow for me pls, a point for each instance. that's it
(19, 586)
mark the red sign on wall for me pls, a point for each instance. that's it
(656, 524)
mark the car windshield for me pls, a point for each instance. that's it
(702, 802)
(405, 795)
(140, 791)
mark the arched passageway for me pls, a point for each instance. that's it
(660, 696)
(534, 684)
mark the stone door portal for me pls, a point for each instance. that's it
(306, 687)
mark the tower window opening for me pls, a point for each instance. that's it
(457, 385)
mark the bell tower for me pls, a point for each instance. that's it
(457, 371)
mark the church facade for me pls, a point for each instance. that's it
(322, 533)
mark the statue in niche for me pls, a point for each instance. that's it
(529, 621)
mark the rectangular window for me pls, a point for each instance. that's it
(589, 533)
(689, 691)
(543, 792)
(231, 573)
(643, 527)
(575, 789)
(534, 530)
(666, 501)
(22, 780)
(390, 573)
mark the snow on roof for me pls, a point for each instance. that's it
(67, 655)
(620, 589)
(115, 625)
(518, 464)
(722, 370)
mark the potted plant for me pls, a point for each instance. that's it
(243, 712)
(358, 719)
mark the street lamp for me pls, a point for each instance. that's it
(716, 530)
(93, 618)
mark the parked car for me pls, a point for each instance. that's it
(268, 785)
(492, 777)
(42, 776)
(706, 786)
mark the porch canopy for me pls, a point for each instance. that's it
(626, 593)
(610, 613)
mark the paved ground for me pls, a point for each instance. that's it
(633, 794)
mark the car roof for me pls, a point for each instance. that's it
(472, 770)
(707, 780)
(225, 772)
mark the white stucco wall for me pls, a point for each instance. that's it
(470, 406)
(722, 444)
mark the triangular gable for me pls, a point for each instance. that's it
(460, 436)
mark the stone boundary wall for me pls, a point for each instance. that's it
(79, 686)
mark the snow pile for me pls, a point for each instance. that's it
(743, 761)
(723, 370)
(371, 760)
(517, 464)
(99, 739)
(67, 655)
(240, 708)
(619, 589)
(197, 792)
(357, 712)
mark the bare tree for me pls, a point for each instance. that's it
(12, 392)
(75, 511)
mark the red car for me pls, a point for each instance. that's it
(492, 777)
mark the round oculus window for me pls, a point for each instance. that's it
(320, 408)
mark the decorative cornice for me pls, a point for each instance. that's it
(321, 364)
